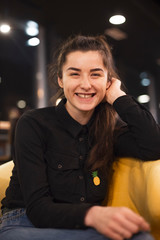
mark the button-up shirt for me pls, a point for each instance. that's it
(51, 148)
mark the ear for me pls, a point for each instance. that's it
(60, 82)
(108, 84)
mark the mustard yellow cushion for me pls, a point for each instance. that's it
(136, 184)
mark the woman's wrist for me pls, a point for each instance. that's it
(90, 215)
(115, 97)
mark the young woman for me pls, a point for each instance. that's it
(64, 154)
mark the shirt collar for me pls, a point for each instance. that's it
(68, 122)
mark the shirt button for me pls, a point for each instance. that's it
(81, 157)
(81, 139)
(82, 199)
(59, 166)
(81, 177)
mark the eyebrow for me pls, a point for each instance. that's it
(74, 69)
(96, 69)
(77, 69)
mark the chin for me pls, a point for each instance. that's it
(87, 108)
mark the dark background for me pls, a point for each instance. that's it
(139, 52)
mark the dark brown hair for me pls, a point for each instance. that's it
(101, 133)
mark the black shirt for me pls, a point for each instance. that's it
(51, 148)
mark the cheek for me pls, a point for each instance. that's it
(68, 87)
(103, 87)
(102, 92)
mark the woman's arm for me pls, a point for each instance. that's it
(140, 138)
(30, 143)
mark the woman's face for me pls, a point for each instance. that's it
(84, 81)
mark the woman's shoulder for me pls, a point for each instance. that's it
(39, 112)
(38, 116)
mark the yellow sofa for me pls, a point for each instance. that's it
(135, 184)
(5, 173)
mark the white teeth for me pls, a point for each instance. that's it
(85, 96)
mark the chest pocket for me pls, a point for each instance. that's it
(62, 174)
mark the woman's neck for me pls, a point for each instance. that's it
(81, 117)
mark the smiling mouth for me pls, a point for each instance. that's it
(85, 95)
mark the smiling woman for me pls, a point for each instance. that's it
(64, 154)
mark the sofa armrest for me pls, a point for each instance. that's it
(5, 174)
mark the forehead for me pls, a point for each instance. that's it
(84, 59)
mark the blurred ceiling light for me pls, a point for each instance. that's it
(117, 19)
(21, 104)
(5, 125)
(143, 75)
(5, 28)
(14, 113)
(145, 82)
(32, 28)
(33, 41)
(116, 33)
(143, 98)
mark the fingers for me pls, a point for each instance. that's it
(117, 223)
(138, 220)
(129, 223)
(120, 226)
(134, 221)
(125, 223)
(113, 90)
(113, 235)
(115, 231)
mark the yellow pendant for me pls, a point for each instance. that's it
(96, 181)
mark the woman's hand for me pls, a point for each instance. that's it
(114, 91)
(117, 223)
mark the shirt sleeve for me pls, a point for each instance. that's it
(140, 135)
(41, 209)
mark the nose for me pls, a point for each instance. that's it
(85, 83)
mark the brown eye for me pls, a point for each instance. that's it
(74, 74)
(95, 75)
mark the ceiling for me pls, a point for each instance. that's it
(138, 52)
